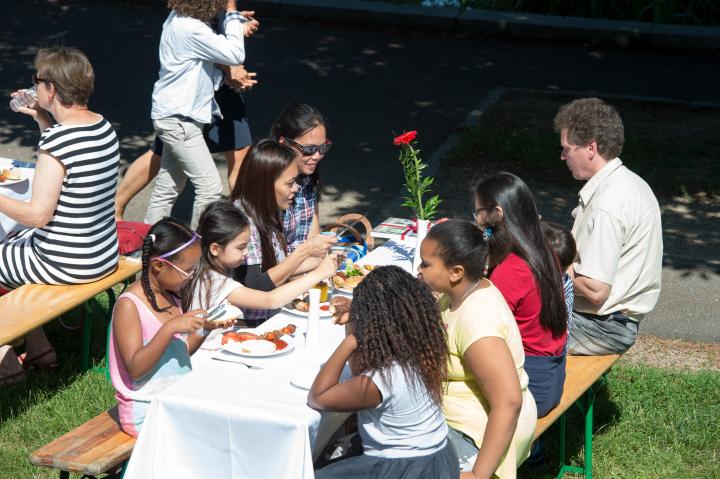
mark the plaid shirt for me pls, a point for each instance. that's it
(569, 303)
(254, 257)
(298, 218)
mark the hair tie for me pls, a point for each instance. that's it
(152, 238)
(487, 232)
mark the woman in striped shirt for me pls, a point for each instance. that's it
(70, 236)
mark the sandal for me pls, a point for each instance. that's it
(10, 371)
(12, 379)
(34, 362)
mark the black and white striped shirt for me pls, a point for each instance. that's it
(79, 244)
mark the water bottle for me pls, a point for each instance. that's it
(25, 98)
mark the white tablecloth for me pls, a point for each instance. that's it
(224, 420)
(21, 191)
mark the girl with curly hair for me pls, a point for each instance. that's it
(395, 344)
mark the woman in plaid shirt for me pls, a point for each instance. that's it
(302, 127)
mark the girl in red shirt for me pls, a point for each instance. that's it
(522, 266)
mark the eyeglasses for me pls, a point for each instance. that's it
(310, 150)
(36, 79)
(476, 211)
(183, 273)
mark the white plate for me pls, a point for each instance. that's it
(304, 379)
(306, 314)
(235, 347)
(12, 182)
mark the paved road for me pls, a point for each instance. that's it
(369, 83)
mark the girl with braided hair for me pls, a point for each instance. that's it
(395, 345)
(149, 346)
(487, 403)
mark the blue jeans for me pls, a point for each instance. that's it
(599, 335)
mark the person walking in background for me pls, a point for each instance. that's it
(229, 134)
(617, 230)
(182, 101)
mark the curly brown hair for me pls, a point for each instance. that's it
(203, 10)
(591, 119)
(397, 321)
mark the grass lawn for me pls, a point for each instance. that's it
(649, 422)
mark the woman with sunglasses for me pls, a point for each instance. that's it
(302, 127)
(70, 235)
(265, 188)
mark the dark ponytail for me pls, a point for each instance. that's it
(461, 243)
(165, 235)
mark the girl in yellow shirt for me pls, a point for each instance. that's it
(487, 404)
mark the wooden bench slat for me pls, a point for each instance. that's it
(92, 448)
(581, 372)
(33, 305)
(81, 439)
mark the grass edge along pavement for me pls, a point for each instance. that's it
(493, 23)
(649, 422)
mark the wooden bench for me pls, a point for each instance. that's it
(583, 376)
(96, 447)
(32, 305)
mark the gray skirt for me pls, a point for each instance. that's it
(440, 465)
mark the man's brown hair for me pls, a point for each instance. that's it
(69, 70)
(591, 119)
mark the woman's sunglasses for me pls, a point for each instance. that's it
(36, 79)
(310, 150)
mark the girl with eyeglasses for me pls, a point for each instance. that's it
(528, 274)
(151, 344)
(265, 188)
(302, 127)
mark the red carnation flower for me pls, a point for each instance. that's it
(405, 138)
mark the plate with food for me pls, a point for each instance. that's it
(347, 279)
(301, 307)
(10, 176)
(271, 343)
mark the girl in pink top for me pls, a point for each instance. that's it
(150, 344)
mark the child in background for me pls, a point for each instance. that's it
(225, 234)
(395, 345)
(562, 243)
(151, 340)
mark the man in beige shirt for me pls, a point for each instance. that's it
(616, 276)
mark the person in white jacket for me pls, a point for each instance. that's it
(182, 99)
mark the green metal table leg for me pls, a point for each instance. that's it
(590, 395)
(111, 305)
(86, 322)
(586, 406)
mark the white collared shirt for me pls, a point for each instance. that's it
(189, 50)
(619, 241)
